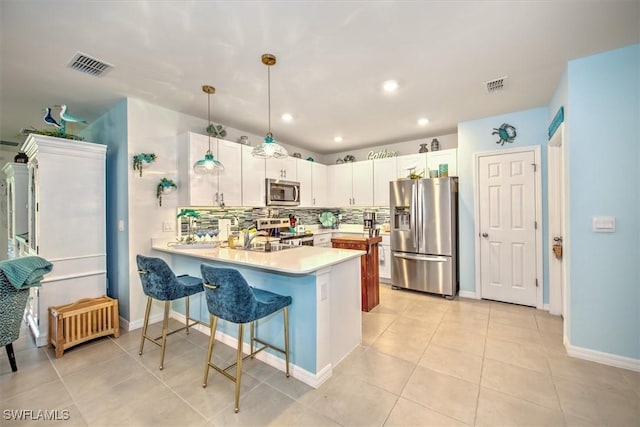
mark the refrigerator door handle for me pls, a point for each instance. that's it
(422, 257)
(414, 214)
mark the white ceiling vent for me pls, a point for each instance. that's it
(88, 65)
(495, 84)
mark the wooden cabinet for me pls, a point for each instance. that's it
(66, 223)
(369, 273)
(253, 179)
(17, 214)
(281, 168)
(448, 157)
(384, 171)
(224, 187)
(351, 184)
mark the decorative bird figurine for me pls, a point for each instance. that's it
(68, 117)
(50, 120)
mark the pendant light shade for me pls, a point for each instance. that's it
(269, 147)
(208, 164)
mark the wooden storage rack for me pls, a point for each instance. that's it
(81, 321)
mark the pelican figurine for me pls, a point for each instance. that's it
(68, 117)
(50, 120)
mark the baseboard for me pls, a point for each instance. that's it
(604, 358)
(468, 294)
(301, 374)
(137, 324)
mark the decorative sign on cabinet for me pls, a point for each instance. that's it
(67, 223)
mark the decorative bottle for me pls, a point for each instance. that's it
(435, 144)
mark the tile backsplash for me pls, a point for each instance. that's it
(246, 217)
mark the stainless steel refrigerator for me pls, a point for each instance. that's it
(424, 235)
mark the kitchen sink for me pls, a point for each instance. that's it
(261, 247)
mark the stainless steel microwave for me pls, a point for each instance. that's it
(282, 193)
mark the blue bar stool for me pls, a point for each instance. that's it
(160, 283)
(230, 297)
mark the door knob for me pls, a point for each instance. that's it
(485, 235)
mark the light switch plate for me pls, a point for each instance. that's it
(167, 226)
(604, 224)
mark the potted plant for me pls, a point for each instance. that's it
(165, 186)
(191, 215)
(143, 160)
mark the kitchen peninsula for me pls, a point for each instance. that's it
(325, 322)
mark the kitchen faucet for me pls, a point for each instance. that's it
(249, 238)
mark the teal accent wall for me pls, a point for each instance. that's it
(604, 119)
(111, 129)
(475, 137)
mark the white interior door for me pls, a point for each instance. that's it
(556, 228)
(507, 226)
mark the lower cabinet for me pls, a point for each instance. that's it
(384, 259)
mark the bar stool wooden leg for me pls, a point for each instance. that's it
(145, 325)
(239, 366)
(165, 328)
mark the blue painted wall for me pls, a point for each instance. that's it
(474, 137)
(111, 129)
(604, 120)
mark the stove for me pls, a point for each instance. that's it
(280, 227)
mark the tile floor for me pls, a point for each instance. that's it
(423, 361)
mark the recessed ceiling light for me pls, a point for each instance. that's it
(286, 117)
(338, 139)
(390, 86)
(423, 121)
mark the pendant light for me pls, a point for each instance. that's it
(208, 164)
(269, 148)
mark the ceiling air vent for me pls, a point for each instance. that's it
(88, 65)
(495, 85)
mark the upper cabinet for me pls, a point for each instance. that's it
(417, 162)
(351, 184)
(443, 157)
(253, 179)
(224, 187)
(281, 168)
(313, 184)
(384, 171)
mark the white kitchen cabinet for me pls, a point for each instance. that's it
(281, 168)
(253, 179)
(223, 186)
(384, 259)
(305, 178)
(448, 157)
(66, 223)
(384, 171)
(17, 214)
(418, 162)
(351, 184)
(319, 184)
(322, 240)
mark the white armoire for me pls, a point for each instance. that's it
(66, 223)
(17, 178)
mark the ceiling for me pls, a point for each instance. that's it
(332, 58)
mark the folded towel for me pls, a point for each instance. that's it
(25, 271)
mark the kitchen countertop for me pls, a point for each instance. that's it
(300, 260)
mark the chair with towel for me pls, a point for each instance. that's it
(230, 297)
(16, 277)
(160, 283)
